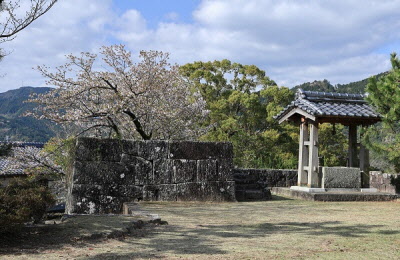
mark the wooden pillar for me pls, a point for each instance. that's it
(313, 179)
(353, 162)
(364, 166)
(302, 178)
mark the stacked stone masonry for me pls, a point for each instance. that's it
(254, 184)
(109, 172)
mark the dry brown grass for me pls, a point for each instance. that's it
(277, 229)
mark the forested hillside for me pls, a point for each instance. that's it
(16, 127)
(357, 87)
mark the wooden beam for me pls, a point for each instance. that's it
(365, 121)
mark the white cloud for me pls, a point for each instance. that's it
(172, 16)
(294, 41)
(340, 71)
(69, 27)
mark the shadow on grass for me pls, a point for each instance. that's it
(181, 240)
(207, 239)
(75, 232)
(278, 198)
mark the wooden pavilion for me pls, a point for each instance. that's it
(308, 110)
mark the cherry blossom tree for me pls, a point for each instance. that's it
(110, 95)
(15, 16)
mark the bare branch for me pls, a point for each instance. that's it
(14, 23)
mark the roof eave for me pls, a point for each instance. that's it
(294, 111)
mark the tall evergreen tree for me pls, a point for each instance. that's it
(242, 101)
(384, 95)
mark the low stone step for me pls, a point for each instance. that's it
(253, 195)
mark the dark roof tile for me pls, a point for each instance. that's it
(331, 104)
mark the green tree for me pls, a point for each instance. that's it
(242, 101)
(316, 85)
(384, 95)
(333, 145)
(23, 200)
(5, 149)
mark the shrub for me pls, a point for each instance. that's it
(23, 200)
(5, 149)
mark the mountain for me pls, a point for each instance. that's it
(357, 87)
(316, 85)
(14, 126)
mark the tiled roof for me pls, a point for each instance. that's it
(323, 104)
(24, 144)
(4, 162)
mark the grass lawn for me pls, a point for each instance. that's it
(276, 229)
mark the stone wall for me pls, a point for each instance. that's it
(384, 182)
(254, 184)
(109, 172)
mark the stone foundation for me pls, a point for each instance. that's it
(109, 172)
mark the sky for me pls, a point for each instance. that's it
(294, 41)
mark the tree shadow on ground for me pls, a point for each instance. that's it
(278, 198)
(181, 240)
(37, 238)
(204, 239)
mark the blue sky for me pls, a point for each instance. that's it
(156, 11)
(294, 41)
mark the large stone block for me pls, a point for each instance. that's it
(98, 205)
(163, 171)
(220, 191)
(162, 192)
(207, 170)
(341, 177)
(139, 169)
(184, 171)
(225, 169)
(99, 173)
(192, 191)
(97, 199)
(153, 150)
(92, 191)
(199, 150)
(130, 147)
(206, 191)
(93, 149)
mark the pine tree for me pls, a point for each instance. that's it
(384, 95)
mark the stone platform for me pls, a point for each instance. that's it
(333, 195)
